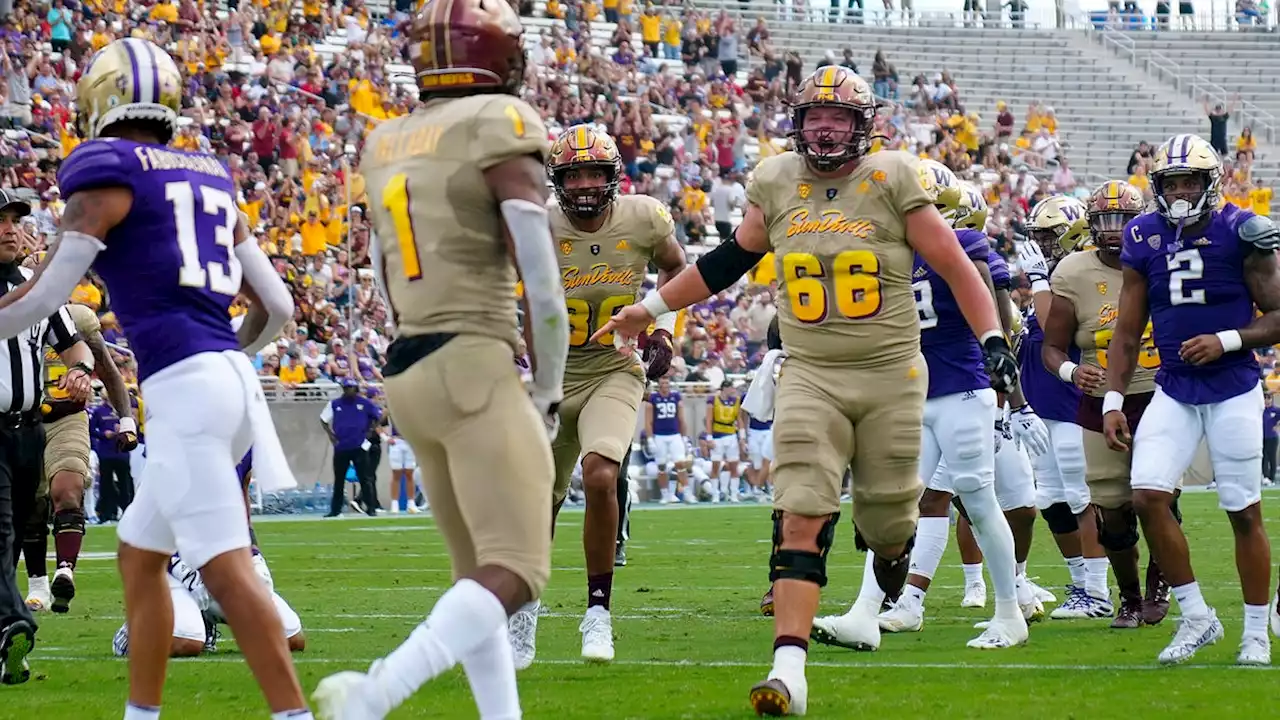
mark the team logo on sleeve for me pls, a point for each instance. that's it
(623, 245)
(879, 176)
(803, 190)
(664, 214)
(1102, 288)
(1154, 241)
(566, 247)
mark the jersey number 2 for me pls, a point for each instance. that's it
(218, 277)
(1185, 265)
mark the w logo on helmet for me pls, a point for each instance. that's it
(1071, 212)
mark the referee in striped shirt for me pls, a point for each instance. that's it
(22, 434)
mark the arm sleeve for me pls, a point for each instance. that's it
(275, 295)
(62, 270)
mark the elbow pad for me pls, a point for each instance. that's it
(726, 264)
(1261, 233)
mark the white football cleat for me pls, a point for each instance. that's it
(1001, 633)
(857, 629)
(975, 595)
(905, 616)
(412, 508)
(776, 697)
(39, 599)
(1275, 619)
(337, 697)
(1254, 650)
(1080, 604)
(597, 635)
(522, 627)
(1192, 634)
(1032, 611)
(263, 572)
(1044, 596)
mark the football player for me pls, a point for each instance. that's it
(842, 224)
(161, 229)
(665, 428)
(606, 242)
(1197, 273)
(726, 426)
(458, 192)
(66, 466)
(1086, 297)
(1058, 223)
(959, 413)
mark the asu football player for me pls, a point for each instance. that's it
(1196, 273)
(843, 225)
(66, 464)
(605, 244)
(160, 228)
(1058, 225)
(1086, 299)
(458, 195)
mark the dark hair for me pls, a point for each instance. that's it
(773, 339)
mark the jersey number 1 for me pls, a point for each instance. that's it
(218, 277)
(396, 200)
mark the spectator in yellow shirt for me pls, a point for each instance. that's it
(315, 236)
(292, 372)
(164, 11)
(270, 44)
(651, 30)
(1140, 180)
(554, 10)
(101, 37)
(671, 37)
(87, 294)
(1247, 143)
(611, 11)
(694, 201)
(1260, 201)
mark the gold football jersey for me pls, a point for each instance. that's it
(86, 322)
(445, 262)
(602, 271)
(1094, 289)
(843, 262)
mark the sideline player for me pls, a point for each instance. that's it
(759, 453)
(606, 242)
(1086, 298)
(1057, 223)
(1198, 272)
(726, 426)
(161, 229)
(457, 193)
(66, 467)
(842, 224)
(665, 428)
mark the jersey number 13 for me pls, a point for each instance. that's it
(221, 276)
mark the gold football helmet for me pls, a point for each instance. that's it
(1059, 224)
(1111, 206)
(972, 212)
(943, 186)
(129, 79)
(1194, 157)
(829, 147)
(581, 148)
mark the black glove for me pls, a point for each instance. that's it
(1000, 363)
(657, 354)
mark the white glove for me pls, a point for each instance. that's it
(1032, 261)
(548, 410)
(1029, 430)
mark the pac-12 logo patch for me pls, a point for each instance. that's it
(831, 193)
(1155, 241)
(595, 249)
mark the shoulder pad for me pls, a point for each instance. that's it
(1260, 232)
(93, 164)
(85, 319)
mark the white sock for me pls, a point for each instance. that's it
(1075, 566)
(133, 712)
(1021, 569)
(932, 534)
(491, 670)
(1190, 600)
(301, 714)
(788, 662)
(462, 619)
(994, 538)
(671, 488)
(1095, 579)
(869, 595)
(1255, 620)
(914, 594)
(973, 574)
(735, 485)
(1023, 587)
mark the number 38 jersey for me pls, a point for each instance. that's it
(950, 349)
(843, 264)
(1195, 285)
(1094, 289)
(444, 261)
(169, 266)
(602, 271)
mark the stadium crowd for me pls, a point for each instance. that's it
(694, 99)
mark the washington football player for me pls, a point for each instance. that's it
(1207, 281)
(843, 226)
(1086, 300)
(458, 196)
(1058, 224)
(605, 244)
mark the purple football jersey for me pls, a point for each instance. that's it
(950, 349)
(1195, 286)
(1051, 398)
(1000, 276)
(665, 409)
(169, 267)
(246, 464)
(754, 424)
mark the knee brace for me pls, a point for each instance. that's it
(802, 564)
(1060, 519)
(1117, 528)
(68, 521)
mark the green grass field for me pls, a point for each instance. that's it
(690, 639)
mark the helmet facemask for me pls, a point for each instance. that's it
(1049, 240)
(581, 198)
(839, 140)
(1187, 205)
(1107, 229)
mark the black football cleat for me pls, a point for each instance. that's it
(1128, 614)
(620, 555)
(771, 697)
(16, 643)
(766, 603)
(1155, 604)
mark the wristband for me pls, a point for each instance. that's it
(1067, 372)
(128, 425)
(990, 334)
(82, 367)
(665, 321)
(1230, 340)
(655, 305)
(1112, 402)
